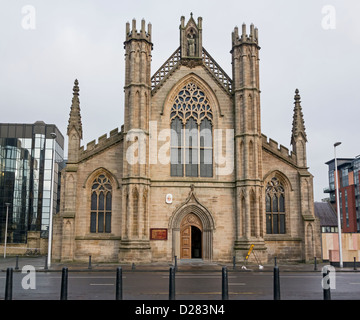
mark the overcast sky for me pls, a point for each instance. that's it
(312, 45)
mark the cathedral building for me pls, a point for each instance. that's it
(189, 174)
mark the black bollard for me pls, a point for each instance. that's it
(46, 263)
(176, 267)
(89, 267)
(354, 263)
(17, 263)
(234, 262)
(172, 283)
(9, 284)
(326, 285)
(133, 266)
(315, 265)
(64, 284)
(276, 283)
(225, 288)
(119, 290)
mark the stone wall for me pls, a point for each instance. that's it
(287, 249)
(35, 246)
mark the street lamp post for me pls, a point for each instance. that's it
(338, 205)
(53, 136)
(6, 226)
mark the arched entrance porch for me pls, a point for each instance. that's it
(192, 229)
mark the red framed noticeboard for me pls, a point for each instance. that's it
(158, 234)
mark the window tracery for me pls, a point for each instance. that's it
(191, 134)
(275, 207)
(101, 205)
(191, 102)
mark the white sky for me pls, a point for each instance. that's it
(84, 40)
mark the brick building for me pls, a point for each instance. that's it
(190, 173)
(348, 173)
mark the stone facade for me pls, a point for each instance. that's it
(127, 197)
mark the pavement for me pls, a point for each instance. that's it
(193, 265)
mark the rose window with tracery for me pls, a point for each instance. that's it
(191, 102)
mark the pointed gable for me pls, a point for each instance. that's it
(191, 38)
(191, 53)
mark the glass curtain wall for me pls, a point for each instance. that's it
(25, 178)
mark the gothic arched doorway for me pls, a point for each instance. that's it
(192, 214)
(191, 237)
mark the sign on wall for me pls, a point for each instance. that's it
(169, 198)
(158, 234)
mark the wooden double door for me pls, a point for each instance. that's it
(191, 237)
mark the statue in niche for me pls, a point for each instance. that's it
(191, 44)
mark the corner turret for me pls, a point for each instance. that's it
(142, 35)
(252, 37)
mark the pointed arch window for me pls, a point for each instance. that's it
(275, 207)
(191, 134)
(101, 205)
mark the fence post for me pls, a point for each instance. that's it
(9, 284)
(276, 283)
(172, 283)
(225, 288)
(119, 290)
(64, 284)
(17, 263)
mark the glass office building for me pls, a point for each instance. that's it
(26, 164)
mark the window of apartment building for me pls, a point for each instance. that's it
(332, 180)
(346, 209)
(344, 177)
(356, 168)
(340, 205)
(329, 229)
